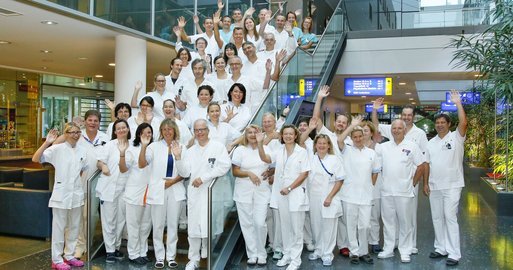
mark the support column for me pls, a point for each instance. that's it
(130, 67)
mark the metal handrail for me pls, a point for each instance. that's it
(89, 237)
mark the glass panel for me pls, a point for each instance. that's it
(130, 13)
(78, 5)
(167, 13)
(94, 227)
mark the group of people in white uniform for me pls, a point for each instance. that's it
(293, 186)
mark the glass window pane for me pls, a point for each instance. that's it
(130, 13)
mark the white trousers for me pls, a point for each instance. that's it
(415, 210)
(195, 245)
(278, 240)
(357, 219)
(113, 222)
(374, 222)
(269, 220)
(324, 230)
(183, 209)
(292, 224)
(342, 233)
(444, 210)
(254, 229)
(65, 220)
(397, 212)
(162, 215)
(138, 224)
(307, 230)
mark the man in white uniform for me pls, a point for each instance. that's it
(414, 134)
(206, 160)
(212, 47)
(403, 164)
(254, 87)
(445, 155)
(189, 94)
(173, 82)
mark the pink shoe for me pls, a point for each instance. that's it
(74, 262)
(60, 266)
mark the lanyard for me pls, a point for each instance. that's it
(326, 170)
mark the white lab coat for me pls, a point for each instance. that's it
(204, 162)
(223, 133)
(193, 113)
(221, 87)
(155, 125)
(239, 121)
(109, 186)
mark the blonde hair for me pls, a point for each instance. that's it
(169, 123)
(327, 138)
(69, 126)
(244, 139)
(356, 129)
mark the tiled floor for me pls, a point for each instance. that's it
(486, 242)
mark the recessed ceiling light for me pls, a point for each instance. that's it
(82, 58)
(82, 84)
(112, 64)
(4, 42)
(407, 93)
(98, 76)
(48, 22)
(402, 83)
(45, 68)
(46, 51)
(414, 103)
(364, 96)
(478, 75)
(411, 99)
(98, 93)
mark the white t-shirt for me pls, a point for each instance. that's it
(137, 178)
(221, 87)
(239, 121)
(212, 47)
(415, 134)
(223, 133)
(109, 187)
(399, 163)
(245, 191)
(445, 157)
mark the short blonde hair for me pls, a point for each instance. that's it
(244, 139)
(327, 138)
(69, 126)
(169, 123)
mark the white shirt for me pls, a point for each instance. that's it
(283, 41)
(137, 183)
(109, 187)
(193, 113)
(221, 87)
(239, 121)
(174, 88)
(322, 179)
(399, 163)
(245, 191)
(287, 171)
(212, 47)
(256, 70)
(93, 147)
(445, 156)
(185, 132)
(204, 162)
(254, 91)
(359, 165)
(155, 125)
(223, 133)
(190, 91)
(334, 138)
(158, 99)
(68, 162)
(157, 158)
(268, 28)
(186, 73)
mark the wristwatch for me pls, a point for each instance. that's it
(289, 189)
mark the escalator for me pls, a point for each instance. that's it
(296, 88)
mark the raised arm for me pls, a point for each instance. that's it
(217, 36)
(261, 152)
(50, 138)
(195, 18)
(280, 56)
(142, 162)
(122, 146)
(135, 95)
(357, 120)
(181, 24)
(323, 92)
(112, 107)
(462, 117)
(267, 80)
(305, 135)
(374, 115)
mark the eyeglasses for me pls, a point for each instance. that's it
(74, 132)
(198, 130)
(161, 81)
(235, 64)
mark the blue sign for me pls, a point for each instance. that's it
(368, 108)
(448, 107)
(466, 97)
(368, 86)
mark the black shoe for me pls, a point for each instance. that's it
(110, 258)
(355, 259)
(119, 255)
(451, 262)
(138, 261)
(146, 259)
(436, 255)
(367, 259)
(376, 249)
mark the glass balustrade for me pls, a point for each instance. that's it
(94, 230)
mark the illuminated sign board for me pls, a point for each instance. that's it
(368, 86)
(306, 87)
(448, 107)
(466, 97)
(382, 109)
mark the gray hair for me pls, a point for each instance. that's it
(203, 63)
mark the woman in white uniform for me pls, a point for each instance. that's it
(111, 187)
(69, 161)
(251, 34)
(145, 115)
(169, 108)
(138, 218)
(185, 56)
(219, 79)
(200, 45)
(362, 166)
(199, 111)
(324, 182)
(289, 193)
(165, 189)
(251, 194)
(121, 111)
(236, 112)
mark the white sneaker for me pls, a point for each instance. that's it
(310, 247)
(326, 262)
(252, 261)
(191, 266)
(204, 252)
(277, 255)
(383, 255)
(405, 258)
(313, 257)
(284, 261)
(414, 251)
(262, 261)
(182, 226)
